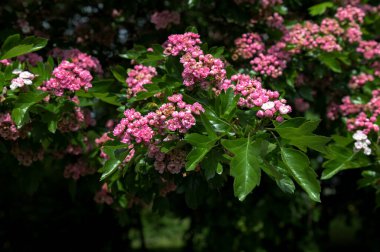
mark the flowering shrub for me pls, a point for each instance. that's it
(275, 118)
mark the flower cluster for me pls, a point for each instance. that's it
(78, 169)
(254, 95)
(163, 19)
(310, 36)
(5, 62)
(103, 196)
(276, 21)
(360, 80)
(269, 3)
(350, 14)
(138, 77)
(197, 70)
(82, 60)
(73, 121)
(362, 142)
(248, 45)
(175, 115)
(268, 64)
(68, 76)
(198, 67)
(26, 156)
(301, 105)
(8, 129)
(187, 42)
(362, 120)
(31, 58)
(370, 49)
(171, 162)
(24, 78)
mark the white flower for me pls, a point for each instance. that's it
(27, 82)
(367, 151)
(359, 145)
(17, 71)
(284, 109)
(16, 83)
(359, 135)
(267, 105)
(26, 75)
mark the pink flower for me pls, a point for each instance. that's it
(138, 77)
(164, 18)
(249, 45)
(68, 76)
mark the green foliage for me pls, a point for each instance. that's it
(14, 46)
(299, 167)
(320, 9)
(244, 165)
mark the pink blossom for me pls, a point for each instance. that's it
(8, 129)
(164, 18)
(68, 76)
(249, 45)
(26, 156)
(31, 58)
(350, 14)
(78, 169)
(103, 196)
(370, 49)
(253, 95)
(301, 105)
(360, 80)
(138, 77)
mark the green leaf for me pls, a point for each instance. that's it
(119, 73)
(321, 8)
(217, 123)
(191, 28)
(217, 52)
(342, 158)
(14, 46)
(331, 62)
(23, 103)
(116, 156)
(108, 98)
(211, 164)
(244, 166)
(299, 133)
(226, 104)
(201, 146)
(206, 123)
(299, 167)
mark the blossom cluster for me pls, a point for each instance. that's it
(78, 169)
(198, 67)
(163, 19)
(175, 115)
(103, 196)
(350, 14)
(171, 162)
(248, 45)
(68, 76)
(362, 142)
(74, 120)
(26, 156)
(365, 115)
(254, 95)
(31, 58)
(81, 59)
(24, 78)
(8, 129)
(138, 77)
(360, 80)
